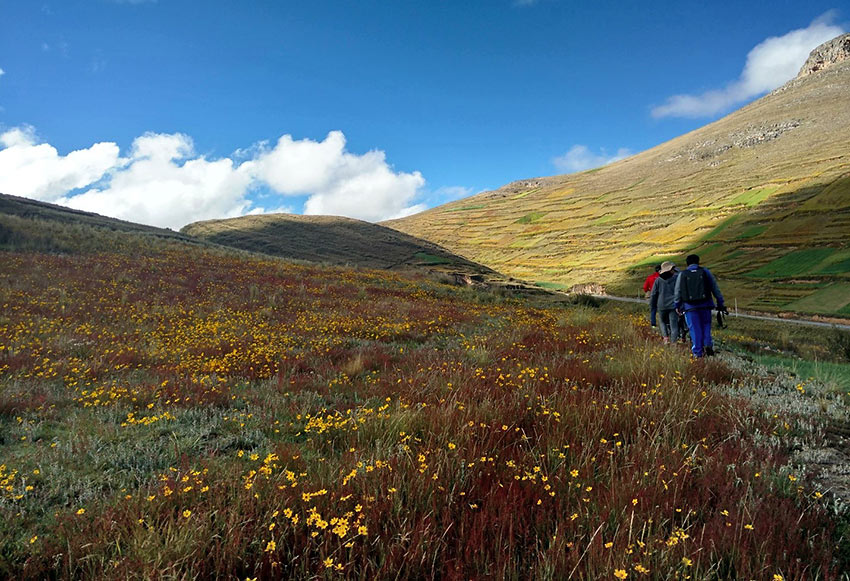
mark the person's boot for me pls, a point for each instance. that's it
(708, 350)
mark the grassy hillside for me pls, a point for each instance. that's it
(174, 410)
(334, 240)
(31, 225)
(181, 413)
(763, 195)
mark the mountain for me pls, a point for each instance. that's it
(762, 195)
(336, 240)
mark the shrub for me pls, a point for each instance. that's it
(585, 300)
(839, 342)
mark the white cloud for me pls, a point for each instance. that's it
(338, 182)
(580, 158)
(771, 63)
(37, 171)
(164, 182)
(2, 72)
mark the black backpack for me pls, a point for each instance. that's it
(694, 287)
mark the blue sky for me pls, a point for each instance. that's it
(170, 111)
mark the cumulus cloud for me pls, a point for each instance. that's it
(164, 182)
(580, 158)
(37, 171)
(338, 182)
(770, 64)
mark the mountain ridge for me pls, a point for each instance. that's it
(746, 192)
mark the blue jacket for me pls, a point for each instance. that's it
(708, 303)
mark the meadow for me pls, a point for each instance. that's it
(175, 413)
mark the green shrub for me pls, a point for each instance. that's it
(839, 342)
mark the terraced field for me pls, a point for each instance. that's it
(763, 195)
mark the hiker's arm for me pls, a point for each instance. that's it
(715, 290)
(677, 294)
(653, 303)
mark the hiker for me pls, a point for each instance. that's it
(662, 302)
(650, 280)
(694, 289)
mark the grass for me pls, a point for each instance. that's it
(550, 285)
(723, 226)
(177, 413)
(754, 197)
(836, 375)
(333, 240)
(796, 263)
(472, 207)
(431, 259)
(830, 299)
(531, 218)
(837, 263)
(753, 231)
(524, 194)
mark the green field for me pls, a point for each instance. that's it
(754, 197)
(531, 218)
(796, 263)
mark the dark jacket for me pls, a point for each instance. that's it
(663, 294)
(708, 303)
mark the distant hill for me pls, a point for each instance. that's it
(763, 195)
(27, 225)
(32, 225)
(335, 240)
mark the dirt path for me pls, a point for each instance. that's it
(776, 319)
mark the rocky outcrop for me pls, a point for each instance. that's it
(826, 55)
(750, 136)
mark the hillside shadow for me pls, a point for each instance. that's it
(790, 252)
(334, 240)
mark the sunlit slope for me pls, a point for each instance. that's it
(334, 240)
(763, 194)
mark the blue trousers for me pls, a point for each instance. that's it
(699, 324)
